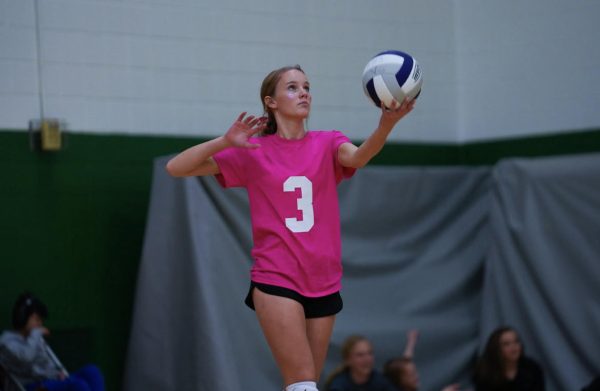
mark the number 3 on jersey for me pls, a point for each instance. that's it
(305, 204)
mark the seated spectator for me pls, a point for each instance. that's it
(24, 352)
(503, 365)
(402, 371)
(357, 372)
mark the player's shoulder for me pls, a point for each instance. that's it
(331, 134)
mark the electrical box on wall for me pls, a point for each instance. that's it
(47, 134)
(51, 138)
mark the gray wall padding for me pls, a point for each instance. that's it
(452, 251)
(542, 273)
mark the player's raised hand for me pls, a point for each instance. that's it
(390, 116)
(243, 128)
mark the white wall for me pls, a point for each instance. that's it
(188, 67)
(18, 69)
(527, 67)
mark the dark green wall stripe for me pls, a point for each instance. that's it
(556, 144)
(13, 144)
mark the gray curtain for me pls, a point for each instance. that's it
(542, 273)
(451, 251)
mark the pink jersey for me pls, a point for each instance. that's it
(292, 189)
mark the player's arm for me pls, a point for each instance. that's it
(349, 155)
(198, 161)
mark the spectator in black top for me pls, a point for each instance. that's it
(504, 367)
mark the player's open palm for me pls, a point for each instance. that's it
(243, 128)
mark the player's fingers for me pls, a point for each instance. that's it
(257, 121)
(252, 131)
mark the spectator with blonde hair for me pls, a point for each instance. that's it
(357, 371)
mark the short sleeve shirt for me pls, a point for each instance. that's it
(292, 191)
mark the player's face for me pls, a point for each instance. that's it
(292, 95)
(361, 359)
(510, 346)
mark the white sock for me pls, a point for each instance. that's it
(302, 386)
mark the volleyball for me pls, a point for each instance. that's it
(391, 76)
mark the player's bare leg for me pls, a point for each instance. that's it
(319, 333)
(285, 328)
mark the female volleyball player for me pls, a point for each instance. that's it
(291, 176)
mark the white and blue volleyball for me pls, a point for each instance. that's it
(392, 75)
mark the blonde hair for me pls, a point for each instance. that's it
(347, 348)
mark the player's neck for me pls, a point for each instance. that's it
(291, 130)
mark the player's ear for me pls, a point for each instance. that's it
(270, 102)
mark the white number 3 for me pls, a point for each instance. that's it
(305, 204)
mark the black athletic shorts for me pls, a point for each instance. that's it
(314, 307)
